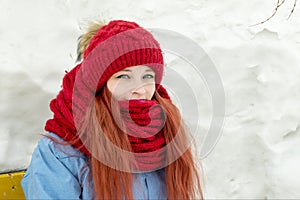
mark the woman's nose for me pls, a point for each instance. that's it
(139, 90)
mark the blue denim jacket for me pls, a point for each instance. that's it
(61, 172)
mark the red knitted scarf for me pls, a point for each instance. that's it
(143, 122)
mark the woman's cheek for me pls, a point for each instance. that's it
(120, 92)
(150, 90)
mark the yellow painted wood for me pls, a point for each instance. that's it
(10, 185)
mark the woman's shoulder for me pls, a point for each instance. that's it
(52, 143)
(55, 163)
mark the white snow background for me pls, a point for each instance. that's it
(258, 153)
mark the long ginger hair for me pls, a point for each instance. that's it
(182, 178)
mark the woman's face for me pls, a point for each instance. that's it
(137, 82)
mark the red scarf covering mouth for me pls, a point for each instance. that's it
(143, 120)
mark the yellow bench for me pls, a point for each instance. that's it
(10, 185)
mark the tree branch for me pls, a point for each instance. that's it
(273, 14)
(279, 3)
(295, 2)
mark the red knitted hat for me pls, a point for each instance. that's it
(121, 44)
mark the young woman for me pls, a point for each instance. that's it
(115, 133)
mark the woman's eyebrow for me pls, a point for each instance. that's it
(149, 70)
(125, 70)
(128, 70)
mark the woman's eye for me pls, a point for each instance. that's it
(123, 76)
(148, 76)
